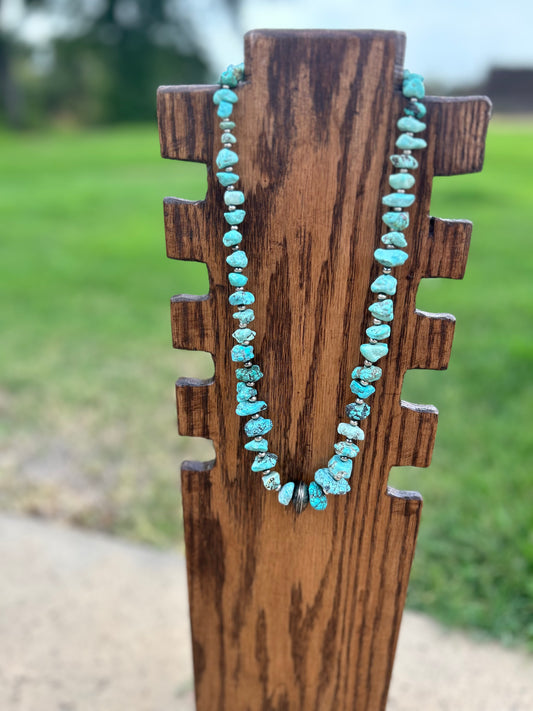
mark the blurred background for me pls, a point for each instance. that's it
(88, 430)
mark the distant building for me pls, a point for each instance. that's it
(510, 90)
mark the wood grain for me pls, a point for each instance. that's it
(291, 612)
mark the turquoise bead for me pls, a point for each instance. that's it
(235, 217)
(246, 316)
(227, 125)
(256, 427)
(245, 409)
(404, 161)
(410, 124)
(357, 411)
(226, 179)
(340, 468)
(368, 373)
(243, 334)
(242, 354)
(416, 109)
(361, 391)
(384, 284)
(241, 298)
(346, 449)
(286, 492)
(401, 181)
(228, 76)
(413, 85)
(396, 220)
(235, 197)
(395, 238)
(390, 257)
(237, 279)
(237, 259)
(350, 431)
(374, 351)
(330, 485)
(231, 238)
(410, 143)
(262, 463)
(382, 310)
(271, 481)
(245, 392)
(226, 157)
(221, 95)
(249, 375)
(257, 445)
(317, 498)
(378, 333)
(225, 109)
(228, 138)
(398, 200)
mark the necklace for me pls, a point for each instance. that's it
(332, 479)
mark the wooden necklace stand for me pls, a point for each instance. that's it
(302, 612)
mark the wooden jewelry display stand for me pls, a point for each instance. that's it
(302, 612)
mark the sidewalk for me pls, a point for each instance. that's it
(90, 623)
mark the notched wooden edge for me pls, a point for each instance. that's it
(446, 247)
(196, 409)
(185, 120)
(432, 340)
(192, 322)
(404, 503)
(186, 233)
(193, 466)
(418, 428)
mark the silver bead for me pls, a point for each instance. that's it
(227, 145)
(255, 417)
(344, 459)
(249, 364)
(407, 152)
(230, 187)
(390, 246)
(229, 169)
(300, 497)
(413, 99)
(241, 308)
(235, 248)
(376, 322)
(239, 288)
(252, 399)
(398, 190)
(386, 270)
(235, 227)
(231, 208)
(409, 133)
(258, 438)
(261, 454)
(246, 343)
(367, 363)
(396, 209)
(225, 86)
(238, 270)
(372, 340)
(364, 383)
(359, 401)
(382, 297)
(354, 423)
(403, 170)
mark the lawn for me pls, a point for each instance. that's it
(86, 390)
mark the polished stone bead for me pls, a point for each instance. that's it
(271, 481)
(382, 310)
(398, 200)
(286, 492)
(225, 109)
(241, 298)
(237, 259)
(243, 334)
(226, 157)
(235, 217)
(237, 279)
(246, 316)
(416, 109)
(245, 409)
(226, 179)
(404, 161)
(228, 76)
(396, 220)
(257, 427)
(235, 197)
(395, 238)
(413, 85)
(228, 138)
(390, 257)
(242, 354)
(368, 373)
(410, 124)
(350, 431)
(249, 375)
(330, 485)
(346, 449)
(231, 238)
(410, 143)
(339, 467)
(384, 284)
(401, 181)
(378, 333)
(261, 464)
(221, 95)
(245, 392)
(356, 411)
(257, 445)
(317, 498)
(362, 391)
(227, 125)
(374, 351)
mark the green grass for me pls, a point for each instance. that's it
(86, 388)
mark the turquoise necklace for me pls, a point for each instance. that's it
(332, 479)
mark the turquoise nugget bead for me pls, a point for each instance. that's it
(403, 161)
(228, 76)
(245, 392)
(413, 85)
(245, 409)
(242, 354)
(317, 498)
(262, 463)
(225, 95)
(368, 373)
(257, 445)
(346, 449)
(234, 197)
(236, 279)
(350, 431)
(340, 468)
(227, 125)
(241, 298)
(395, 238)
(228, 138)
(249, 375)
(246, 316)
(396, 220)
(231, 238)
(243, 334)
(235, 217)
(226, 179)
(401, 181)
(237, 259)
(224, 109)
(286, 492)
(330, 485)
(374, 351)
(398, 200)
(390, 257)
(271, 481)
(259, 426)
(410, 124)
(226, 157)
(378, 333)
(361, 391)
(409, 143)
(416, 109)
(382, 310)
(357, 412)
(384, 284)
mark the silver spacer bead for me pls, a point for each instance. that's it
(400, 190)
(229, 187)
(246, 343)
(248, 364)
(372, 340)
(354, 423)
(396, 209)
(410, 133)
(390, 246)
(278, 487)
(239, 288)
(367, 363)
(235, 227)
(242, 307)
(238, 270)
(349, 439)
(386, 270)
(231, 208)
(242, 324)
(403, 170)
(413, 99)
(252, 399)
(382, 297)
(255, 417)
(359, 401)
(227, 145)
(225, 86)
(235, 248)
(261, 455)
(407, 152)
(376, 322)
(344, 459)
(364, 383)
(258, 438)
(229, 169)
